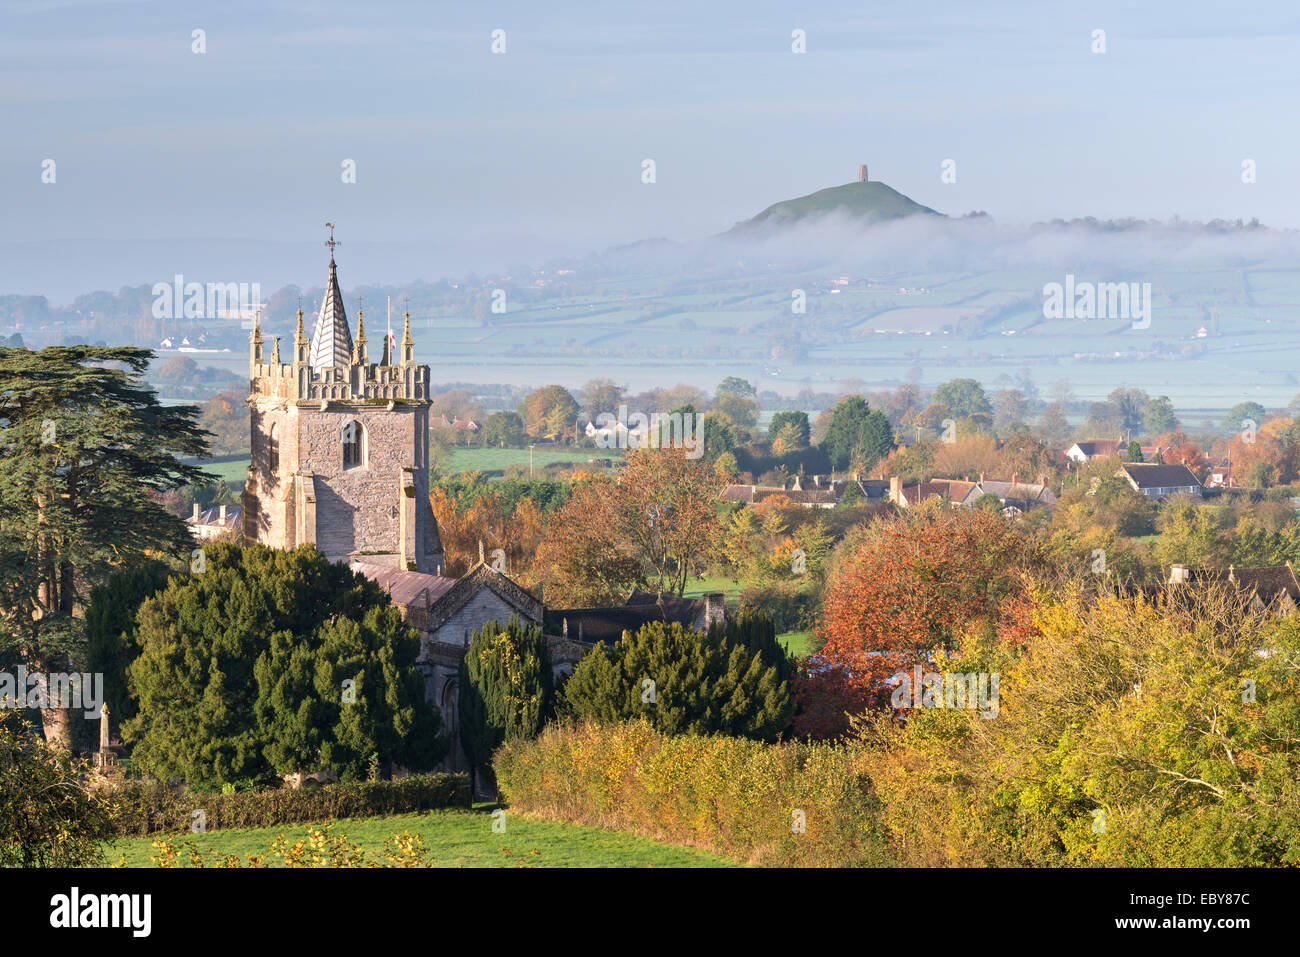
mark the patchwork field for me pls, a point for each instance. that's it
(453, 839)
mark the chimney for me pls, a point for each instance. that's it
(196, 515)
(714, 608)
(1042, 479)
(981, 478)
(221, 514)
(862, 173)
(895, 489)
(1015, 479)
(1177, 574)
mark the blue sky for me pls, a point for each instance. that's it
(479, 159)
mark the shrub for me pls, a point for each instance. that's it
(506, 688)
(154, 807)
(733, 796)
(731, 680)
(49, 814)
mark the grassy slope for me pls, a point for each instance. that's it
(455, 839)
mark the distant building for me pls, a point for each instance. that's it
(1221, 476)
(1090, 449)
(1272, 590)
(459, 424)
(1016, 497)
(815, 491)
(211, 523)
(591, 625)
(906, 496)
(1160, 481)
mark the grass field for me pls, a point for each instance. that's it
(453, 839)
(797, 643)
(695, 587)
(235, 473)
(496, 460)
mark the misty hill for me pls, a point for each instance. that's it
(871, 201)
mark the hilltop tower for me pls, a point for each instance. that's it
(340, 446)
(862, 173)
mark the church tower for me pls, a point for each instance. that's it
(340, 446)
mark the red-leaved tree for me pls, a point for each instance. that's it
(912, 586)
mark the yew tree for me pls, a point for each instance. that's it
(263, 662)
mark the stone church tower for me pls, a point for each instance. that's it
(340, 446)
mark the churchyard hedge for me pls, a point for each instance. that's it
(154, 807)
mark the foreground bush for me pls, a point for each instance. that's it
(1130, 730)
(49, 814)
(150, 808)
(737, 797)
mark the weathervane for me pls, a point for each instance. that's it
(331, 243)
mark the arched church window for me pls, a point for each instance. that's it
(273, 450)
(354, 445)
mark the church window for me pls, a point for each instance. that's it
(273, 450)
(354, 445)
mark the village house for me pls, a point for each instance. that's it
(1160, 481)
(213, 523)
(1221, 476)
(906, 496)
(815, 491)
(1016, 497)
(1089, 449)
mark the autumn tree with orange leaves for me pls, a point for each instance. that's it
(489, 521)
(655, 523)
(911, 587)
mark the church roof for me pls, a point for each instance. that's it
(405, 587)
(331, 342)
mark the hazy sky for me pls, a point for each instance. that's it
(476, 159)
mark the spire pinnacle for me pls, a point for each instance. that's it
(359, 356)
(331, 342)
(408, 344)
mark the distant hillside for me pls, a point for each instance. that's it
(870, 202)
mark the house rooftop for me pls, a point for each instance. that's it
(1148, 475)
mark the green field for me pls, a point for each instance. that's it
(453, 839)
(797, 643)
(696, 587)
(235, 473)
(496, 460)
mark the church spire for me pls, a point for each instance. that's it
(331, 342)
